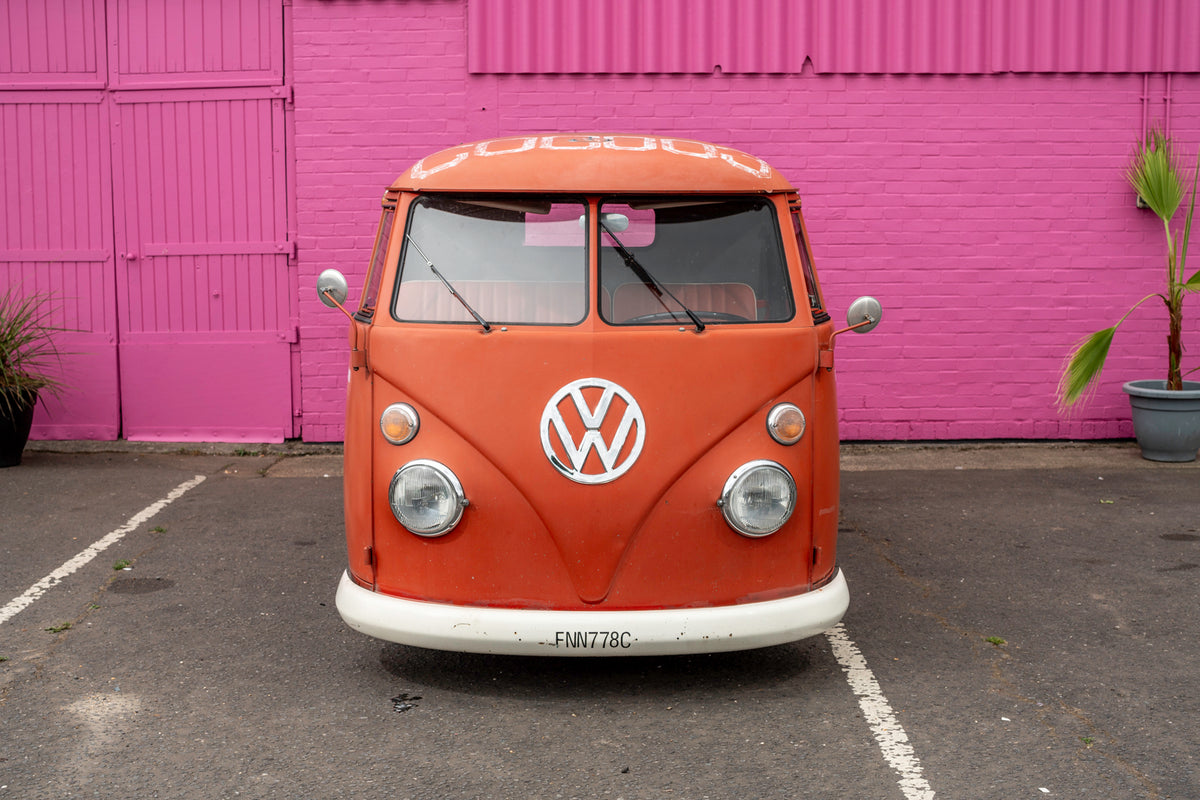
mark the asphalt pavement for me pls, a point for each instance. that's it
(1021, 626)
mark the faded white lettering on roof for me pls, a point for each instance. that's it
(431, 165)
(485, 148)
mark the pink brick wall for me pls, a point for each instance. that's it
(988, 213)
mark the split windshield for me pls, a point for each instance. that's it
(523, 259)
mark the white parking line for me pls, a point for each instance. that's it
(19, 604)
(890, 736)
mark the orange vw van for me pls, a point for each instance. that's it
(591, 405)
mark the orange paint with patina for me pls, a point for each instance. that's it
(606, 370)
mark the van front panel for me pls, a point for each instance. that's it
(531, 535)
(593, 403)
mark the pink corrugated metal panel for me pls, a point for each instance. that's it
(52, 45)
(1114, 36)
(195, 42)
(840, 36)
(628, 36)
(55, 237)
(1180, 39)
(883, 36)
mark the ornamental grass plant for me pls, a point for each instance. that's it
(28, 354)
(1157, 175)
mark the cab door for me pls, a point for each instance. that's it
(361, 424)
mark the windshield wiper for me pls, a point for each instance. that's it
(483, 322)
(652, 283)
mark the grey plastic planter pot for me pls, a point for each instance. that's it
(1166, 423)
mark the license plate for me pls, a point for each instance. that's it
(593, 640)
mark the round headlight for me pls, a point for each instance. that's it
(426, 498)
(399, 423)
(785, 423)
(758, 498)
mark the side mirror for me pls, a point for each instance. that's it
(332, 288)
(863, 315)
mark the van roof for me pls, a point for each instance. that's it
(592, 163)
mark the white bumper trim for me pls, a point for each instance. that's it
(473, 629)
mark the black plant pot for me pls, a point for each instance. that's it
(14, 427)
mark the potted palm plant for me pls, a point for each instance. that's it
(1166, 413)
(27, 351)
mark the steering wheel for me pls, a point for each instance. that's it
(681, 316)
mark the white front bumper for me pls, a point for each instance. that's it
(472, 629)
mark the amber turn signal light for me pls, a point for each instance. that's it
(786, 423)
(399, 423)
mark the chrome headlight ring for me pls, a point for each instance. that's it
(758, 498)
(426, 498)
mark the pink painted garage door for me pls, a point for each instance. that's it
(56, 199)
(178, 270)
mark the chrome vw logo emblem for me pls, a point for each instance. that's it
(586, 428)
